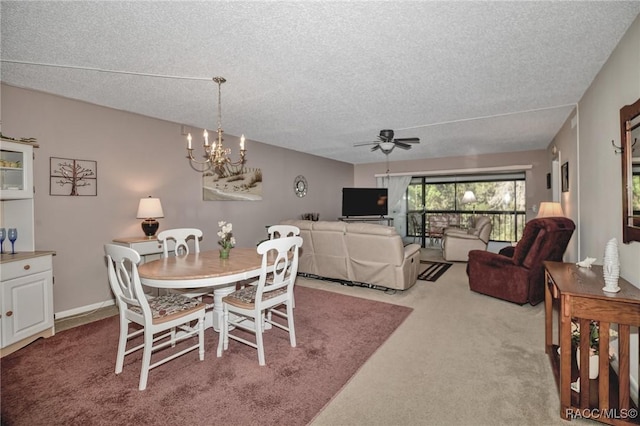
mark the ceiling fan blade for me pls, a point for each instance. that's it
(365, 143)
(402, 145)
(408, 140)
(375, 147)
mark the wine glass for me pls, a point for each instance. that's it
(3, 236)
(13, 236)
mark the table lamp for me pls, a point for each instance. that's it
(149, 209)
(550, 209)
(468, 198)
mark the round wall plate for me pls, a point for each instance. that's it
(300, 186)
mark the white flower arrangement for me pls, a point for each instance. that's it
(227, 241)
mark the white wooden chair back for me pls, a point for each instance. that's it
(279, 270)
(280, 231)
(124, 280)
(181, 236)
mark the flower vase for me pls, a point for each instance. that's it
(224, 253)
(594, 364)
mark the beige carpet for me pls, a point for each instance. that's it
(460, 358)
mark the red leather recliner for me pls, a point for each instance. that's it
(517, 274)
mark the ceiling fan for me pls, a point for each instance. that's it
(386, 142)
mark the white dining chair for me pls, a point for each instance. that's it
(182, 237)
(158, 315)
(279, 231)
(274, 289)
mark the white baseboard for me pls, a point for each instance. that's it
(83, 309)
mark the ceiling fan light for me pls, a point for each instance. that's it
(387, 146)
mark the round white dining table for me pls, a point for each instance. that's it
(204, 269)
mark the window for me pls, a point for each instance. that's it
(499, 196)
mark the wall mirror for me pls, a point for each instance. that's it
(630, 133)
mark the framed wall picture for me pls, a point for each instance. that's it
(243, 184)
(564, 171)
(73, 177)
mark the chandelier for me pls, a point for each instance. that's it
(216, 156)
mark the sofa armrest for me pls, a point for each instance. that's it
(457, 236)
(454, 230)
(410, 249)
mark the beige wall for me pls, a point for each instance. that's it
(600, 198)
(139, 156)
(563, 149)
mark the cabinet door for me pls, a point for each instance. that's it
(27, 306)
(16, 170)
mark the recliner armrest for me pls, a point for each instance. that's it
(490, 259)
(507, 251)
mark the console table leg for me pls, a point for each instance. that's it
(565, 355)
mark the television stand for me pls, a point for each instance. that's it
(375, 219)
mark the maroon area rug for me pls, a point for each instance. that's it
(69, 378)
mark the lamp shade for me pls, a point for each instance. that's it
(149, 208)
(550, 209)
(468, 197)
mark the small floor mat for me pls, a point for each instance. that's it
(433, 270)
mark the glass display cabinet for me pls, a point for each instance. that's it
(16, 164)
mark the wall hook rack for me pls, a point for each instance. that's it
(619, 149)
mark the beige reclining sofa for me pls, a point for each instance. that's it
(358, 253)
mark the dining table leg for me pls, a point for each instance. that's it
(218, 294)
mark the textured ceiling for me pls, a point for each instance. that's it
(466, 77)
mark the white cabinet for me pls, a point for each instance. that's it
(16, 170)
(26, 300)
(26, 277)
(16, 193)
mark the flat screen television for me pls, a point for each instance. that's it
(364, 201)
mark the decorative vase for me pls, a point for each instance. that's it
(224, 253)
(594, 364)
(611, 266)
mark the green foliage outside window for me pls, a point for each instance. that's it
(635, 182)
(503, 201)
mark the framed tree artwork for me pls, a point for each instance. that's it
(564, 172)
(73, 177)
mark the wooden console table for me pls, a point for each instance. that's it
(577, 293)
